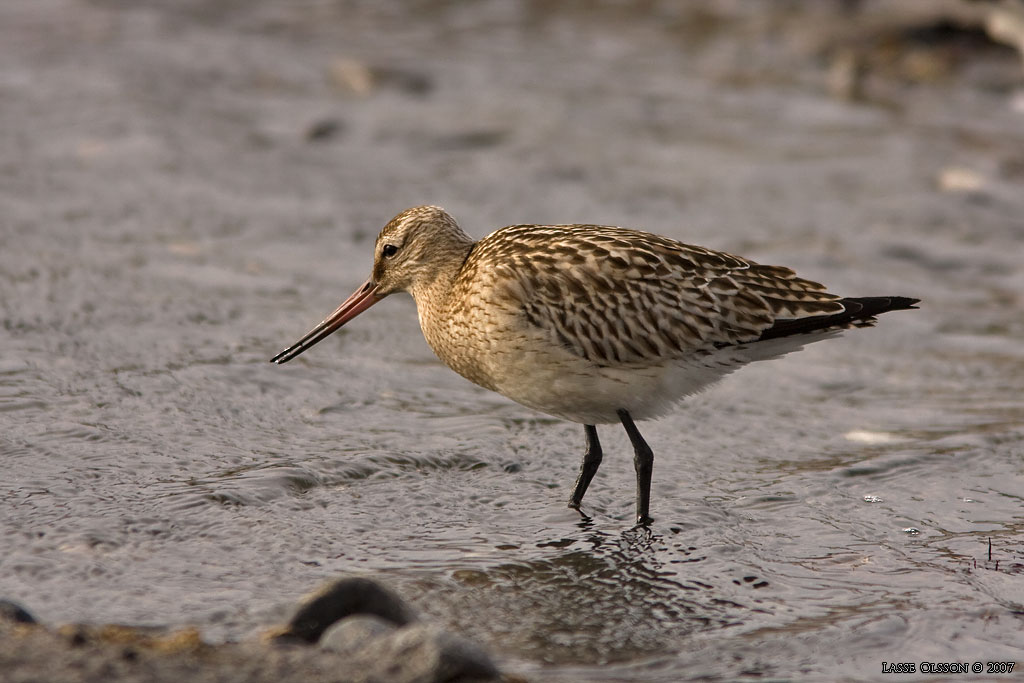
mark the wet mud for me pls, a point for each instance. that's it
(186, 187)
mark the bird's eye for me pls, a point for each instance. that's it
(388, 250)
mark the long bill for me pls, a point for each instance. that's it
(361, 299)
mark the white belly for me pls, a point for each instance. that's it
(520, 362)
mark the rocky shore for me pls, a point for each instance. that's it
(353, 630)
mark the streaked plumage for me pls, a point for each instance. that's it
(593, 324)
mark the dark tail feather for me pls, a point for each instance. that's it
(860, 312)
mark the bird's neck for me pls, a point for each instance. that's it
(437, 300)
(433, 293)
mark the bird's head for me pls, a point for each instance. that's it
(410, 252)
(413, 247)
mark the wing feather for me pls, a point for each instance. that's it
(622, 297)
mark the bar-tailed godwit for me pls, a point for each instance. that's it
(590, 323)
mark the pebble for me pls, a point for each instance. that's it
(362, 79)
(324, 129)
(354, 629)
(380, 636)
(13, 612)
(1005, 23)
(357, 633)
(340, 599)
(417, 653)
(957, 179)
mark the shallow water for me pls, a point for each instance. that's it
(168, 225)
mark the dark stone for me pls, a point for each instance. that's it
(324, 129)
(344, 598)
(408, 81)
(474, 139)
(11, 611)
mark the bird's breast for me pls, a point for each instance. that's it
(471, 334)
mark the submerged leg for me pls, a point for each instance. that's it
(588, 468)
(643, 460)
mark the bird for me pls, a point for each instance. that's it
(593, 324)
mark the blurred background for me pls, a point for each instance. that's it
(188, 186)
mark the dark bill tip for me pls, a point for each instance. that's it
(361, 299)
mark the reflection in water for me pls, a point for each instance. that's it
(596, 598)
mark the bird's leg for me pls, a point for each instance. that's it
(643, 461)
(588, 468)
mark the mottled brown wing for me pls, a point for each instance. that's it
(621, 297)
